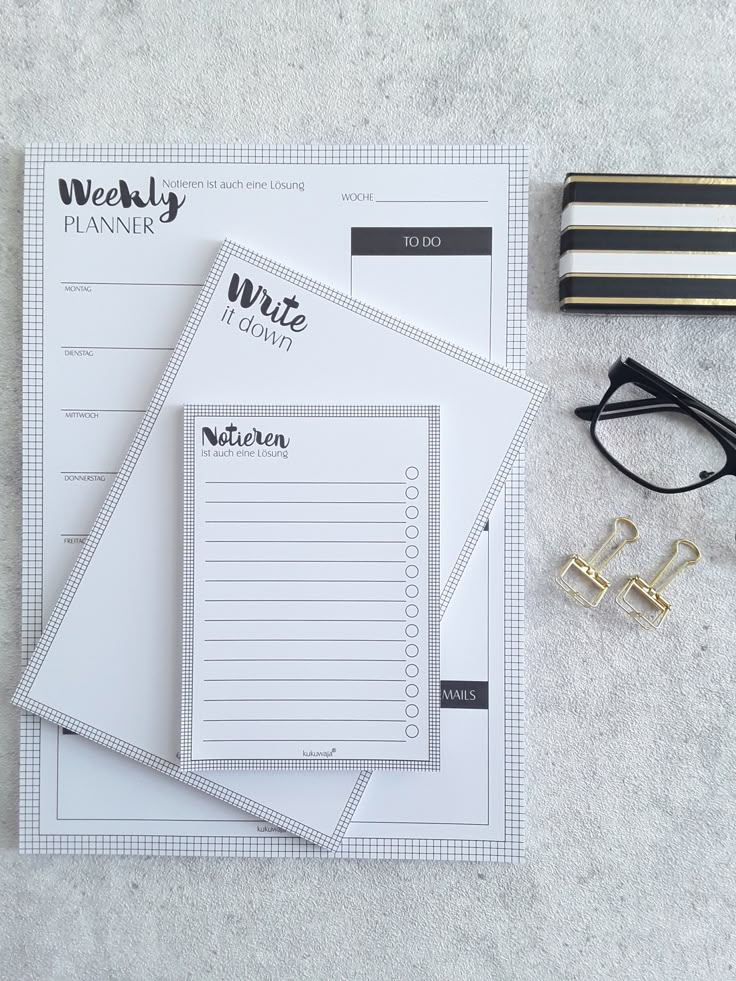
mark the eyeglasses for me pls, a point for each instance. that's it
(658, 435)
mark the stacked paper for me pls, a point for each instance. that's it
(298, 539)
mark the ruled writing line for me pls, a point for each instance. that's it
(303, 640)
(305, 502)
(297, 599)
(294, 541)
(303, 699)
(300, 620)
(309, 660)
(304, 720)
(321, 483)
(302, 740)
(308, 561)
(396, 681)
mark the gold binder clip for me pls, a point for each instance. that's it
(582, 580)
(643, 601)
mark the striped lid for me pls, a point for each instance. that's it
(635, 242)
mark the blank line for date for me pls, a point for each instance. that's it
(112, 347)
(85, 282)
(429, 201)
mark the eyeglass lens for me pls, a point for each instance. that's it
(662, 444)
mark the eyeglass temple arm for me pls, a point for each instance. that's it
(635, 407)
(658, 403)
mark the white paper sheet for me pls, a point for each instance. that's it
(311, 587)
(78, 796)
(120, 690)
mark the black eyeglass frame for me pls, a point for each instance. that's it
(665, 398)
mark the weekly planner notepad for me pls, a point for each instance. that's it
(103, 309)
(311, 592)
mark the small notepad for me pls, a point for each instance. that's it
(311, 587)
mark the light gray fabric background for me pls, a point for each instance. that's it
(631, 736)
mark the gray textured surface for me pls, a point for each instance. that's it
(631, 744)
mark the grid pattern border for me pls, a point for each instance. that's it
(432, 415)
(31, 840)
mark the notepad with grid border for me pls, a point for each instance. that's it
(64, 775)
(340, 332)
(311, 587)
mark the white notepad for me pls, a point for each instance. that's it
(77, 796)
(125, 589)
(311, 587)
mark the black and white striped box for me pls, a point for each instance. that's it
(631, 242)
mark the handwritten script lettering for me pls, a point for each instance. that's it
(82, 193)
(247, 294)
(231, 436)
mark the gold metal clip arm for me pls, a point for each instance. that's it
(696, 556)
(617, 524)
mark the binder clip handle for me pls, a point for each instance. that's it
(643, 601)
(581, 578)
(682, 544)
(618, 524)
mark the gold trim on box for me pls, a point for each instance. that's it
(646, 252)
(646, 179)
(634, 275)
(650, 301)
(645, 204)
(648, 228)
